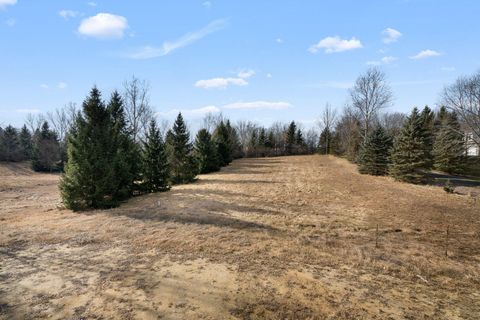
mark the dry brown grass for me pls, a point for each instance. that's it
(277, 238)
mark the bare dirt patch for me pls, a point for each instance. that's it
(275, 238)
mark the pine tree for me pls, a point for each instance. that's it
(409, 158)
(89, 180)
(182, 162)
(26, 144)
(46, 150)
(235, 146)
(449, 146)
(375, 153)
(206, 152)
(290, 138)
(253, 144)
(221, 137)
(156, 170)
(127, 160)
(325, 142)
(262, 142)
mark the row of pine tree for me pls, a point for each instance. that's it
(426, 141)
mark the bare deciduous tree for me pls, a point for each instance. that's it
(392, 122)
(463, 97)
(34, 121)
(370, 94)
(137, 106)
(327, 122)
(212, 120)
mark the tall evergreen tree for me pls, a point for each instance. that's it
(428, 121)
(449, 146)
(221, 137)
(409, 158)
(206, 152)
(234, 140)
(26, 143)
(182, 162)
(375, 153)
(325, 142)
(253, 144)
(90, 179)
(127, 159)
(290, 138)
(156, 169)
(46, 150)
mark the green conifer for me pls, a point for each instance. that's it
(449, 147)
(182, 162)
(156, 169)
(221, 137)
(375, 153)
(206, 152)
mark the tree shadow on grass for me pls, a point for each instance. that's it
(439, 179)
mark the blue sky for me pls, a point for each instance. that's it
(254, 60)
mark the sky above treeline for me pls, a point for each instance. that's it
(272, 60)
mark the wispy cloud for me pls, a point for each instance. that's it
(336, 44)
(62, 85)
(384, 60)
(279, 40)
(5, 3)
(424, 54)
(191, 113)
(44, 86)
(390, 35)
(222, 83)
(269, 105)
(448, 69)
(92, 4)
(11, 22)
(104, 26)
(207, 4)
(67, 14)
(168, 47)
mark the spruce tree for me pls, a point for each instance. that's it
(409, 157)
(89, 180)
(374, 153)
(325, 142)
(182, 162)
(428, 121)
(262, 142)
(127, 160)
(11, 144)
(222, 140)
(156, 169)
(253, 144)
(206, 154)
(26, 144)
(290, 138)
(449, 146)
(234, 140)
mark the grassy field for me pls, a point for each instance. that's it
(274, 238)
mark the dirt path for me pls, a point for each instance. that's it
(277, 238)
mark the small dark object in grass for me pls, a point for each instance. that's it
(448, 187)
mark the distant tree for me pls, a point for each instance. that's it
(235, 145)
(270, 142)
(46, 150)
(449, 147)
(375, 153)
(10, 145)
(222, 140)
(26, 143)
(206, 153)
(290, 138)
(253, 144)
(409, 158)
(182, 162)
(137, 107)
(90, 178)
(262, 142)
(392, 123)
(348, 134)
(326, 124)
(156, 170)
(325, 142)
(369, 95)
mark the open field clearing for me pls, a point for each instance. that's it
(274, 238)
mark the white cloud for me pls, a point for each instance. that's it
(44, 86)
(220, 83)
(67, 14)
(384, 60)
(279, 40)
(207, 4)
(336, 44)
(191, 113)
(5, 3)
(62, 85)
(11, 22)
(245, 74)
(168, 47)
(269, 75)
(390, 35)
(426, 54)
(28, 110)
(92, 4)
(280, 105)
(104, 26)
